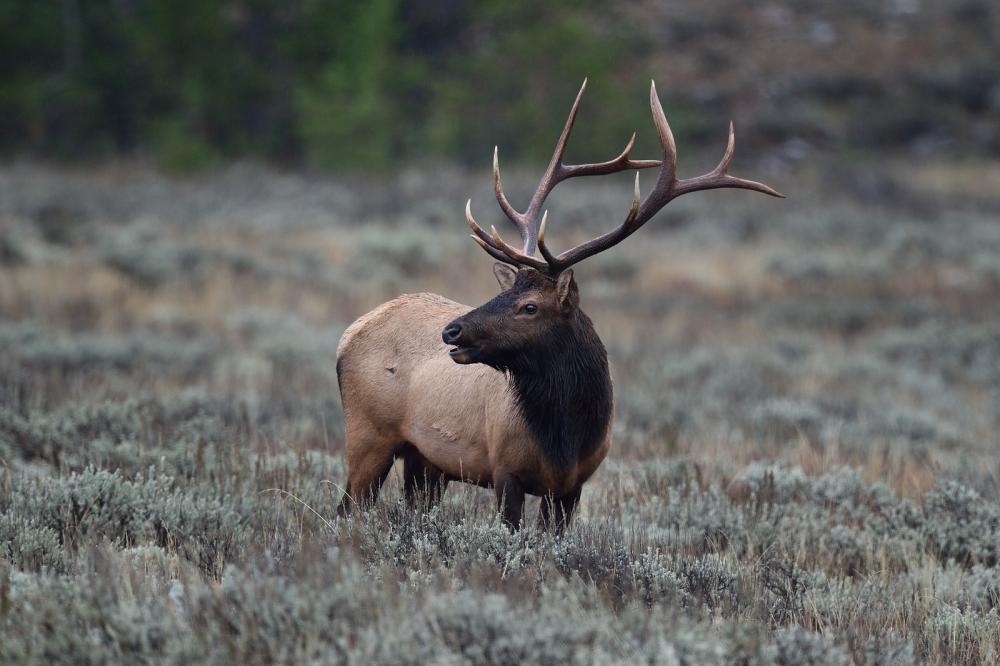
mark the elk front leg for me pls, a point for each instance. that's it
(510, 499)
(421, 479)
(556, 512)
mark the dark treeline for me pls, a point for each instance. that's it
(339, 84)
(369, 84)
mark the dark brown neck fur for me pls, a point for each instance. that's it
(564, 391)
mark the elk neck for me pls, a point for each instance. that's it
(563, 389)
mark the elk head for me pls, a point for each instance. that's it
(532, 312)
(538, 305)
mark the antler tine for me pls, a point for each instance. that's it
(519, 257)
(549, 257)
(557, 154)
(516, 218)
(621, 163)
(482, 238)
(496, 254)
(667, 188)
(527, 222)
(476, 229)
(636, 199)
(727, 157)
(668, 172)
(719, 176)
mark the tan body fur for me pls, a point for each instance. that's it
(399, 387)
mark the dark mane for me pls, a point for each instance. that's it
(564, 391)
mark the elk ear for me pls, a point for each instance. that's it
(566, 288)
(506, 275)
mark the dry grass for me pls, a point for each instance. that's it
(805, 464)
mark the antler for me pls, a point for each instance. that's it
(667, 188)
(528, 223)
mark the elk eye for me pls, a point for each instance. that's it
(529, 308)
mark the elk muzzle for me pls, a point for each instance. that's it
(462, 352)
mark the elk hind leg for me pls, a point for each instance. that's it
(369, 459)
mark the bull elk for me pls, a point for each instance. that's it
(522, 402)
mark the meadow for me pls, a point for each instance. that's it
(805, 467)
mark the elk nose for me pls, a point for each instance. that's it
(451, 334)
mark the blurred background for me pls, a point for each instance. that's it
(381, 84)
(198, 196)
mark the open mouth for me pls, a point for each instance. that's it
(461, 354)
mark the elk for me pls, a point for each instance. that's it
(522, 401)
